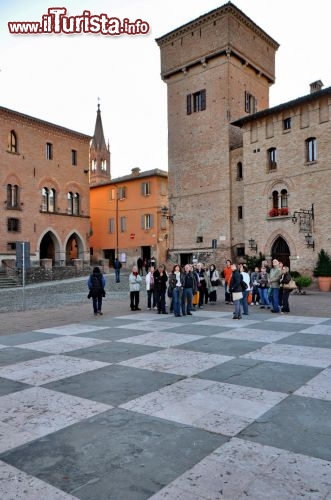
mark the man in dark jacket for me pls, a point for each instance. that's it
(96, 284)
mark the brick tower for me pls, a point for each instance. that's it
(217, 68)
(99, 154)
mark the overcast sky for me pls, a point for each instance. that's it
(59, 78)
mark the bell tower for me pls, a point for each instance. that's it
(99, 154)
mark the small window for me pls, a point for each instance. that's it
(272, 159)
(147, 221)
(283, 198)
(49, 151)
(250, 103)
(287, 124)
(146, 188)
(122, 193)
(240, 213)
(123, 224)
(48, 200)
(239, 171)
(196, 102)
(112, 194)
(199, 239)
(73, 157)
(11, 245)
(12, 142)
(240, 251)
(111, 225)
(311, 151)
(13, 225)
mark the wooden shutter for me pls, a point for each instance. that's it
(203, 99)
(189, 104)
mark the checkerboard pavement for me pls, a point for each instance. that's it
(152, 406)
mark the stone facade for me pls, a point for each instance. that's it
(45, 189)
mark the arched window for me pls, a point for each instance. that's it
(311, 149)
(12, 196)
(12, 142)
(239, 171)
(283, 198)
(76, 204)
(275, 199)
(70, 202)
(48, 199)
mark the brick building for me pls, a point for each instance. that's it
(232, 158)
(45, 189)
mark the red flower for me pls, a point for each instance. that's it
(274, 212)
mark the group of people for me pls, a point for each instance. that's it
(268, 287)
(181, 285)
(197, 285)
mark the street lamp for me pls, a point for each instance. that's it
(165, 214)
(252, 244)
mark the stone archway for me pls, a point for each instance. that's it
(47, 247)
(72, 249)
(280, 251)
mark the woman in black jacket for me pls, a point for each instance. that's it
(160, 288)
(236, 289)
(284, 280)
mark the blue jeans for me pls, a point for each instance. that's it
(274, 295)
(187, 300)
(117, 275)
(237, 308)
(177, 300)
(243, 301)
(264, 297)
(97, 303)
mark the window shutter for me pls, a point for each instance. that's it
(246, 102)
(255, 105)
(151, 218)
(203, 99)
(189, 104)
(142, 189)
(142, 222)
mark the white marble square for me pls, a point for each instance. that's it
(240, 469)
(16, 484)
(317, 330)
(48, 369)
(141, 316)
(268, 336)
(293, 354)
(176, 361)
(209, 405)
(228, 322)
(72, 329)
(151, 326)
(318, 387)
(161, 339)
(62, 344)
(29, 414)
(309, 320)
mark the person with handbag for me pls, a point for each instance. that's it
(236, 289)
(263, 287)
(284, 283)
(175, 288)
(214, 280)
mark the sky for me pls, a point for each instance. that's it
(61, 78)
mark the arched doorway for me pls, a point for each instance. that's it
(47, 247)
(72, 249)
(280, 251)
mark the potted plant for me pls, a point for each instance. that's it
(302, 282)
(323, 271)
(273, 212)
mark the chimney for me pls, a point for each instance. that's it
(316, 86)
(135, 171)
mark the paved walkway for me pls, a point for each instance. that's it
(136, 405)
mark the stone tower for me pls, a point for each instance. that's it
(99, 154)
(217, 68)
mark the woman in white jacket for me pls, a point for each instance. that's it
(246, 279)
(134, 282)
(151, 302)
